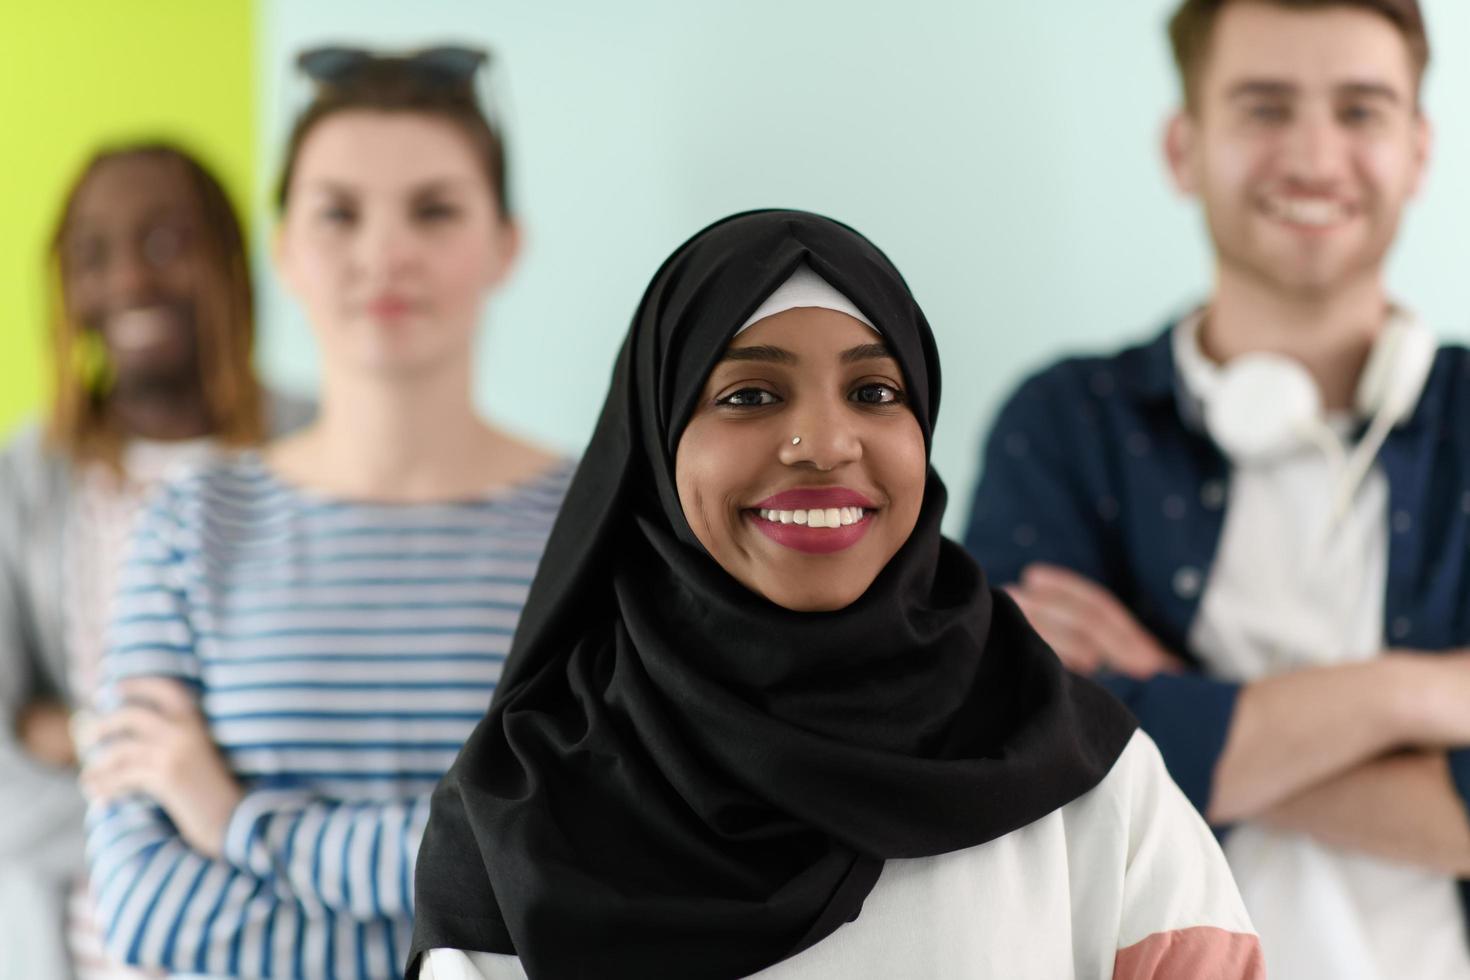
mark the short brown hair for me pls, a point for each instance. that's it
(1193, 24)
(389, 84)
(79, 424)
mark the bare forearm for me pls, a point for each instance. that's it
(1400, 808)
(1295, 730)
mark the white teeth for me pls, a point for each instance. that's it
(817, 517)
(140, 327)
(1313, 212)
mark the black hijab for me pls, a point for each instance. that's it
(677, 777)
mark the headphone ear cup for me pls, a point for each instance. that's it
(1396, 370)
(1262, 405)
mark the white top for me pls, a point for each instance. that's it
(1285, 594)
(1125, 882)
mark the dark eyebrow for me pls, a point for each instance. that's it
(867, 352)
(439, 186)
(425, 189)
(761, 352)
(1253, 87)
(1266, 87)
(86, 226)
(165, 213)
(779, 355)
(1370, 90)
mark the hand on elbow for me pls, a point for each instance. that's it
(158, 745)
(1087, 626)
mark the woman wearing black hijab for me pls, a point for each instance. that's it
(760, 716)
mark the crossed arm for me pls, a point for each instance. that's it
(1353, 754)
(173, 835)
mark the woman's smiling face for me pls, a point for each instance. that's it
(808, 524)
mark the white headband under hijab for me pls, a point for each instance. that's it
(806, 288)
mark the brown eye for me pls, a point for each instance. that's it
(88, 255)
(748, 398)
(877, 393)
(337, 215)
(433, 213)
(1268, 112)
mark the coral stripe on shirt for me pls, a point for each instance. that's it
(1196, 953)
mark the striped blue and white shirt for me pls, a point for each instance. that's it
(342, 652)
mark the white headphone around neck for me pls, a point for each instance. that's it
(1262, 405)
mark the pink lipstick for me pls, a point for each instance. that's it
(816, 520)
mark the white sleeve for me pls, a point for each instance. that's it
(458, 964)
(1181, 914)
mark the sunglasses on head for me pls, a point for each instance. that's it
(448, 65)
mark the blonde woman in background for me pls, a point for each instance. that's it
(305, 635)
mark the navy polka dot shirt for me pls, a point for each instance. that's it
(1100, 465)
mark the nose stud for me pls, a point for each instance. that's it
(796, 440)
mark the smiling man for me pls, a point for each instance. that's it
(1255, 526)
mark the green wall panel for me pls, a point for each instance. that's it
(75, 74)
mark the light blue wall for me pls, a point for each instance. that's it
(1003, 154)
